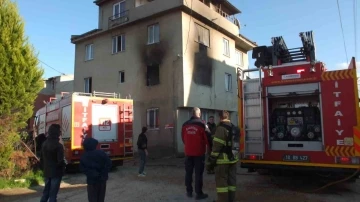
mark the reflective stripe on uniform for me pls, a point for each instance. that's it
(219, 140)
(232, 188)
(219, 161)
(222, 189)
(225, 159)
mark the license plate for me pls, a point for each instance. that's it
(301, 158)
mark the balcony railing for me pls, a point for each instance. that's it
(119, 19)
(231, 18)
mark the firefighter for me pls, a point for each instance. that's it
(212, 127)
(195, 140)
(223, 158)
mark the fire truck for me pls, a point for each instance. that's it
(296, 115)
(103, 116)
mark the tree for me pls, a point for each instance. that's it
(20, 78)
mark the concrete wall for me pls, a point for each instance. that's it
(135, 13)
(214, 97)
(105, 66)
(157, 6)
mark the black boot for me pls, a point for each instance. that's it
(201, 196)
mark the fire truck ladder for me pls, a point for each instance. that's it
(279, 53)
(253, 115)
(127, 117)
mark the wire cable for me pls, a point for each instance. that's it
(52, 67)
(342, 30)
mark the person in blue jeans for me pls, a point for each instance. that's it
(142, 149)
(95, 164)
(53, 164)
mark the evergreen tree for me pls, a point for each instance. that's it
(20, 77)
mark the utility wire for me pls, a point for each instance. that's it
(52, 67)
(342, 30)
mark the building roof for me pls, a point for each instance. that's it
(91, 32)
(233, 10)
(248, 40)
(98, 2)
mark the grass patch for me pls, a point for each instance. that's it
(31, 179)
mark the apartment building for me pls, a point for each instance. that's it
(167, 55)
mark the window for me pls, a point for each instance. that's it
(226, 47)
(119, 9)
(89, 52)
(141, 2)
(228, 82)
(153, 34)
(152, 118)
(121, 76)
(88, 85)
(118, 44)
(204, 115)
(202, 35)
(239, 58)
(152, 75)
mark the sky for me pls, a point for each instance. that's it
(49, 25)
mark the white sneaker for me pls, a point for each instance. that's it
(141, 175)
(144, 173)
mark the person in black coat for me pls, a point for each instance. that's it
(95, 164)
(142, 150)
(52, 163)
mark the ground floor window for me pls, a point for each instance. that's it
(152, 118)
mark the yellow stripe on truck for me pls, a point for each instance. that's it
(300, 164)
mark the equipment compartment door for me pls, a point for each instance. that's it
(105, 121)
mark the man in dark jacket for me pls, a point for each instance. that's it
(143, 152)
(52, 162)
(95, 164)
(195, 140)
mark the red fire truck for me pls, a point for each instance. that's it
(297, 115)
(103, 116)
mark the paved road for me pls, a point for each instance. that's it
(165, 182)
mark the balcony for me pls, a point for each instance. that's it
(118, 19)
(231, 18)
(224, 8)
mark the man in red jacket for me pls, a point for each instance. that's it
(195, 140)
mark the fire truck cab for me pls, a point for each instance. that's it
(297, 115)
(103, 116)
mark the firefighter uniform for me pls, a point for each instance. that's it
(225, 170)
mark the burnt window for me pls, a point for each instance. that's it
(152, 75)
(203, 71)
